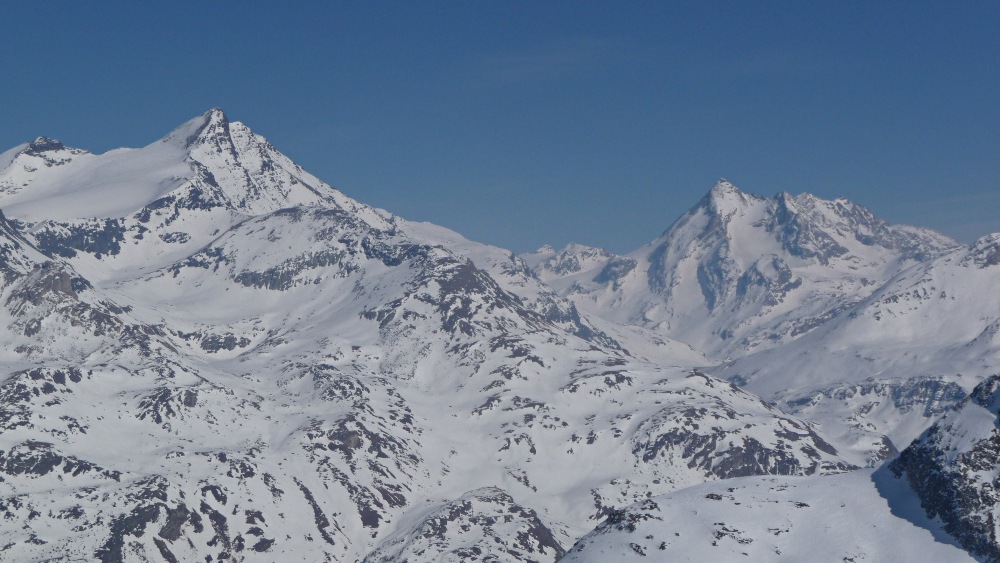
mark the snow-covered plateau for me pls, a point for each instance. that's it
(210, 354)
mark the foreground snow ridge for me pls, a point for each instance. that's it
(855, 516)
(211, 354)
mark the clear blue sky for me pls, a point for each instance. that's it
(524, 123)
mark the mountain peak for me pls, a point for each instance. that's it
(42, 144)
(725, 196)
(215, 114)
(206, 126)
(215, 124)
(221, 164)
(723, 188)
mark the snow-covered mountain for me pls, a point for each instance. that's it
(210, 352)
(738, 272)
(815, 305)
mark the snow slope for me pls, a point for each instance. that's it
(858, 516)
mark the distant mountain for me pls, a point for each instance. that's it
(211, 353)
(762, 284)
(739, 273)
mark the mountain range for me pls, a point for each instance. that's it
(211, 354)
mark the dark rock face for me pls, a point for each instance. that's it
(986, 252)
(284, 276)
(691, 435)
(51, 294)
(801, 236)
(954, 468)
(804, 230)
(133, 524)
(483, 525)
(567, 317)
(767, 281)
(571, 260)
(363, 449)
(616, 269)
(49, 152)
(165, 403)
(40, 458)
(13, 261)
(658, 273)
(100, 237)
(152, 513)
(43, 144)
(708, 432)
(45, 279)
(626, 520)
(933, 396)
(228, 342)
(23, 389)
(716, 276)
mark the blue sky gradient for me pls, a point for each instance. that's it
(520, 124)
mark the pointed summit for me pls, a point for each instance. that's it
(725, 196)
(215, 114)
(215, 118)
(208, 125)
(208, 162)
(724, 187)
